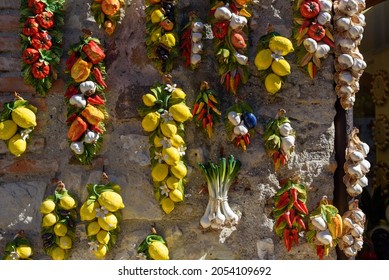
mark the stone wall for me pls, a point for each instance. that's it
(25, 181)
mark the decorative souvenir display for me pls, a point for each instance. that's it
(380, 87)
(219, 180)
(229, 24)
(153, 247)
(313, 33)
(325, 227)
(270, 61)
(102, 213)
(161, 33)
(41, 42)
(108, 13)
(85, 98)
(58, 223)
(164, 115)
(279, 139)
(353, 226)
(191, 42)
(205, 111)
(349, 22)
(19, 248)
(380, 132)
(356, 166)
(17, 121)
(289, 211)
(240, 124)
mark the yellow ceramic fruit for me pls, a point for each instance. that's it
(156, 16)
(103, 237)
(273, 83)
(177, 141)
(167, 205)
(157, 141)
(112, 201)
(169, 128)
(158, 251)
(280, 67)
(109, 222)
(24, 117)
(80, 70)
(49, 220)
(151, 121)
(176, 195)
(179, 170)
(168, 40)
(159, 172)
(24, 252)
(58, 254)
(17, 145)
(178, 93)
(47, 206)
(180, 112)
(101, 251)
(8, 129)
(171, 155)
(149, 99)
(67, 202)
(65, 242)
(88, 211)
(60, 229)
(263, 59)
(156, 35)
(110, 7)
(172, 183)
(280, 45)
(93, 228)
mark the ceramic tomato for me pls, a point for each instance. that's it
(30, 27)
(316, 31)
(40, 70)
(45, 20)
(37, 7)
(30, 55)
(309, 9)
(41, 40)
(220, 29)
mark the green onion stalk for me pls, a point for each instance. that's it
(219, 180)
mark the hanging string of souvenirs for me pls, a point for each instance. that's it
(164, 114)
(229, 25)
(313, 33)
(19, 248)
(108, 13)
(85, 98)
(161, 34)
(41, 42)
(17, 122)
(58, 223)
(153, 247)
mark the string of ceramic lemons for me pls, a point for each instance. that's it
(58, 223)
(17, 121)
(163, 115)
(19, 248)
(102, 213)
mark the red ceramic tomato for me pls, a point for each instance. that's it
(30, 27)
(40, 70)
(41, 40)
(45, 20)
(316, 31)
(309, 9)
(30, 56)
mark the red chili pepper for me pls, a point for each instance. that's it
(320, 251)
(213, 107)
(314, 70)
(72, 90)
(279, 221)
(95, 100)
(246, 138)
(99, 77)
(295, 235)
(275, 156)
(287, 218)
(205, 121)
(237, 80)
(293, 194)
(237, 141)
(287, 243)
(283, 159)
(328, 41)
(202, 113)
(300, 222)
(96, 129)
(300, 206)
(196, 106)
(227, 81)
(233, 8)
(284, 200)
(305, 24)
(71, 118)
(292, 216)
(71, 60)
(209, 117)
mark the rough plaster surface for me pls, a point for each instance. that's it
(309, 105)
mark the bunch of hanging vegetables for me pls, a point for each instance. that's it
(41, 41)
(205, 112)
(85, 98)
(289, 212)
(108, 13)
